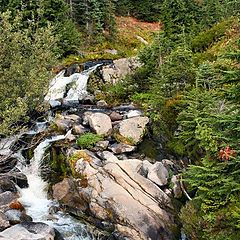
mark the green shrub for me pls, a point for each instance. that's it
(88, 140)
(210, 36)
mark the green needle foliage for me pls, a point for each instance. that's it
(25, 57)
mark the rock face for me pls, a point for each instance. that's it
(131, 130)
(119, 69)
(100, 123)
(29, 231)
(157, 173)
(116, 192)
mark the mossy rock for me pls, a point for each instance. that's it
(72, 160)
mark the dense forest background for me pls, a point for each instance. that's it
(189, 84)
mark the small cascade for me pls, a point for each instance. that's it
(78, 90)
(34, 198)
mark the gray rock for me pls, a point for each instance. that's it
(6, 144)
(86, 116)
(7, 197)
(70, 137)
(102, 103)
(158, 174)
(177, 190)
(116, 192)
(63, 124)
(72, 117)
(114, 116)
(102, 145)
(134, 113)
(13, 216)
(7, 185)
(111, 51)
(79, 129)
(131, 130)
(4, 223)
(119, 69)
(29, 231)
(100, 123)
(7, 163)
(119, 148)
(17, 177)
(106, 155)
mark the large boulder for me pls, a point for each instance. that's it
(119, 69)
(100, 123)
(65, 192)
(131, 131)
(158, 174)
(29, 231)
(116, 192)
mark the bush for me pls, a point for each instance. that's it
(25, 58)
(202, 41)
(88, 140)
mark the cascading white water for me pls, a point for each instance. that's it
(34, 198)
(78, 91)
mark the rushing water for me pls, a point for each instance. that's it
(59, 93)
(34, 198)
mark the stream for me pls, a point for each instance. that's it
(66, 92)
(36, 202)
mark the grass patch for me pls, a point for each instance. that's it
(88, 140)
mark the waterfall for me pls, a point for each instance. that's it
(34, 198)
(78, 90)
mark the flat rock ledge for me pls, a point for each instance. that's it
(115, 191)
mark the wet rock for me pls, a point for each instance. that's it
(74, 68)
(100, 123)
(102, 103)
(7, 163)
(6, 145)
(177, 190)
(4, 223)
(131, 130)
(15, 216)
(17, 177)
(114, 116)
(29, 231)
(79, 129)
(72, 117)
(158, 174)
(89, 99)
(119, 148)
(70, 137)
(117, 193)
(7, 185)
(63, 124)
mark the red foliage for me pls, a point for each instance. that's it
(16, 205)
(226, 153)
